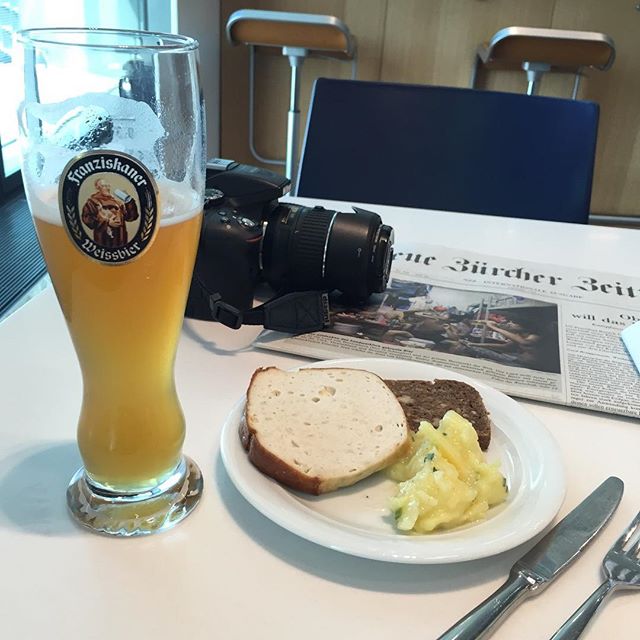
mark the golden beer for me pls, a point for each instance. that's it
(113, 166)
(124, 321)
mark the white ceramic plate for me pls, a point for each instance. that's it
(357, 521)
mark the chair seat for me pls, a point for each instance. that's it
(318, 34)
(561, 49)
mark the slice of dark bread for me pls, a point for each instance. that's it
(430, 400)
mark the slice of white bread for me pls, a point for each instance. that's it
(316, 430)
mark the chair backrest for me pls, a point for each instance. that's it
(451, 149)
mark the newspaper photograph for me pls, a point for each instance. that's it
(531, 330)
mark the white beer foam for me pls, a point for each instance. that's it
(135, 129)
(62, 127)
(177, 202)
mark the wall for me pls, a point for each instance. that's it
(433, 42)
(200, 19)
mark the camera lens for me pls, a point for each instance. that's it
(314, 248)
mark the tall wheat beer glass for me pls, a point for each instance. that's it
(113, 168)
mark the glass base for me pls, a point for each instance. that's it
(127, 515)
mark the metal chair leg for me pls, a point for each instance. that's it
(576, 84)
(535, 71)
(296, 59)
(474, 71)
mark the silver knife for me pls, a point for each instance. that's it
(538, 567)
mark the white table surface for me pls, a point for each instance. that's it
(227, 571)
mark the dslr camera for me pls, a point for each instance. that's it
(249, 237)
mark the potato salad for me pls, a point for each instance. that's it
(445, 481)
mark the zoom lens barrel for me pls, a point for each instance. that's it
(314, 248)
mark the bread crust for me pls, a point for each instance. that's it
(278, 469)
(270, 464)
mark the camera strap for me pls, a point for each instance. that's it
(297, 312)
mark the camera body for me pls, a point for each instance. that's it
(238, 199)
(248, 236)
(230, 246)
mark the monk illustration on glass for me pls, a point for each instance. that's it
(106, 213)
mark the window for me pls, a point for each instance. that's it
(25, 14)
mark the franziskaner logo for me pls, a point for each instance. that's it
(108, 202)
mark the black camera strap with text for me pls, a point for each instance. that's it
(296, 312)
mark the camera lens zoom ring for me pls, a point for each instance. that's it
(309, 245)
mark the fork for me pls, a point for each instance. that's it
(621, 568)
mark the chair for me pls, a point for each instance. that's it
(451, 149)
(538, 51)
(299, 35)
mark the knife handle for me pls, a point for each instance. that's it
(486, 615)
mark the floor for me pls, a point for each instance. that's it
(22, 269)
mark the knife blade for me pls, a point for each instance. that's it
(544, 562)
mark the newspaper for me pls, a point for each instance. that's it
(538, 331)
